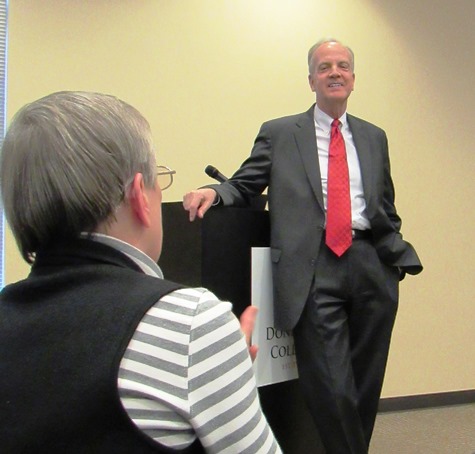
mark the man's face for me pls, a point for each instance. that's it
(332, 77)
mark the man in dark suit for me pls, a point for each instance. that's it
(341, 305)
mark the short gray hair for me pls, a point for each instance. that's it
(66, 163)
(312, 50)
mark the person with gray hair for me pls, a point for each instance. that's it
(99, 353)
(336, 248)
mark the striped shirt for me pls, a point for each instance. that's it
(186, 372)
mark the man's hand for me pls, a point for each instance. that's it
(198, 202)
(248, 320)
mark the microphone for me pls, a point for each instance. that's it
(214, 173)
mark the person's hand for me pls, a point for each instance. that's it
(248, 320)
(198, 202)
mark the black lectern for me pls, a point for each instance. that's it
(215, 252)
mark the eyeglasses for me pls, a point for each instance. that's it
(165, 177)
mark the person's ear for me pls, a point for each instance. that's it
(139, 201)
(310, 82)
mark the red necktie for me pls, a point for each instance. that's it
(338, 229)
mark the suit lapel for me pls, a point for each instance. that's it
(307, 146)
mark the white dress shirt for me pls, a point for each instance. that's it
(359, 220)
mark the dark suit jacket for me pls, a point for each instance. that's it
(285, 159)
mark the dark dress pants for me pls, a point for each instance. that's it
(342, 342)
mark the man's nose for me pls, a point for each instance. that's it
(334, 71)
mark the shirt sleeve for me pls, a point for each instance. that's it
(224, 404)
(187, 373)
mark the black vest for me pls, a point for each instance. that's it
(63, 333)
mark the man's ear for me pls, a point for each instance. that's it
(139, 201)
(310, 82)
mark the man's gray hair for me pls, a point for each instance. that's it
(311, 52)
(66, 163)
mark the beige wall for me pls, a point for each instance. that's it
(207, 73)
